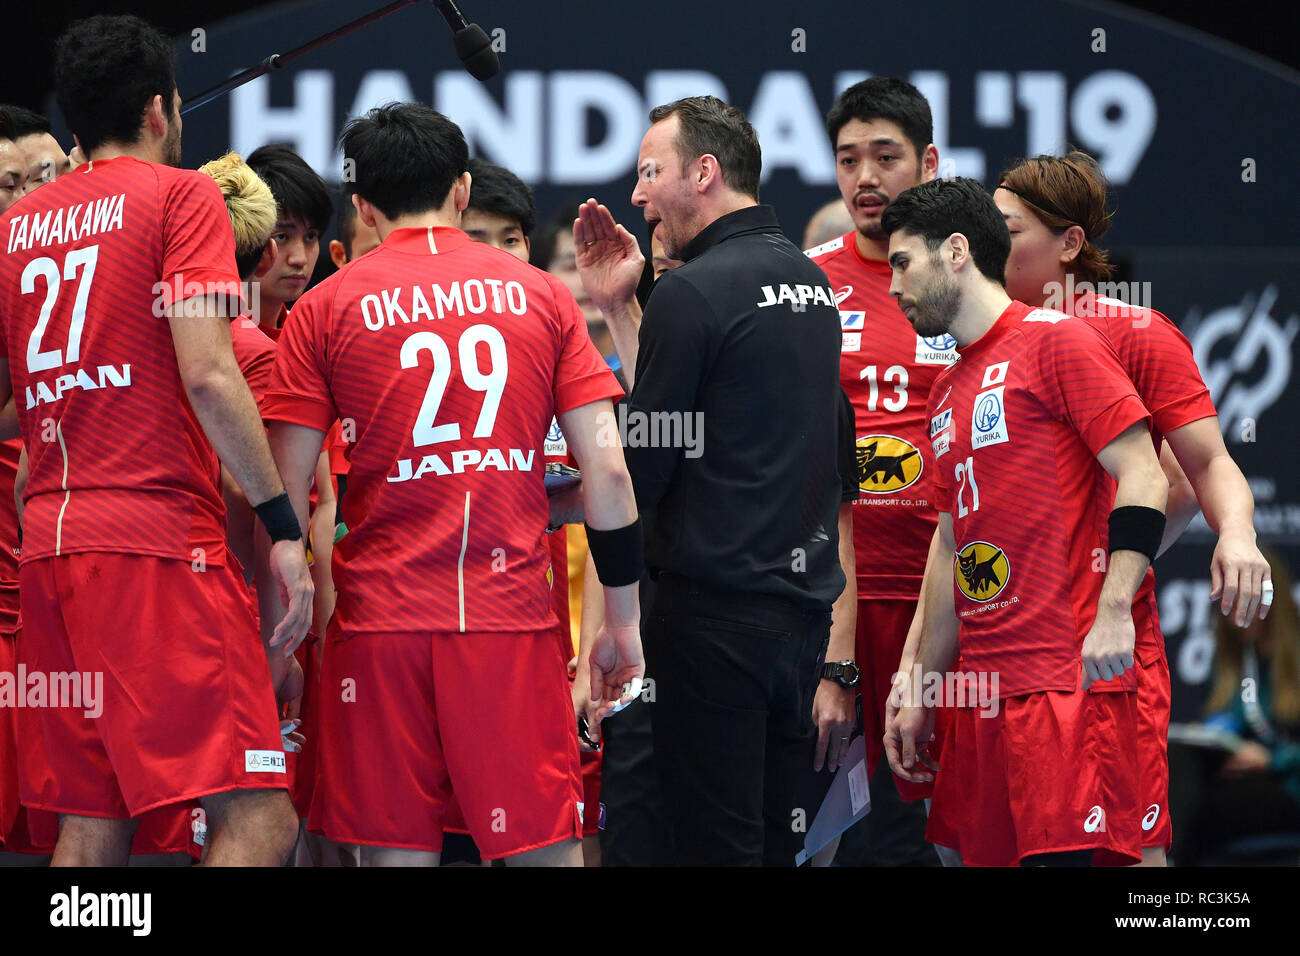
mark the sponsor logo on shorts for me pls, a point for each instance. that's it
(1152, 815)
(264, 761)
(1096, 820)
(982, 570)
(887, 464)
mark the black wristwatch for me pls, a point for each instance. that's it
(845, 673)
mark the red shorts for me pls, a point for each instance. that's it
(169, 830)
(882, 632)
(406, 717)
(183, 707)
(9, 805)
(302, 766)
(1050, 773)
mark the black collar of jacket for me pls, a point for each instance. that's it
(741, 222)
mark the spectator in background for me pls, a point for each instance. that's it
(829, 221)
(304, 210)
(1220, 795)
(355, 237)
(45, 158)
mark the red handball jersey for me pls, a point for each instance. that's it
(888, 371)
(9, 548)
(450, 357)
(1016, 425)
(94, 260)
(255, 353)
(1158, 358)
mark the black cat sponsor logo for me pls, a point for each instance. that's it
(887, 464)
(982, 570)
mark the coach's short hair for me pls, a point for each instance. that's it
(499, 192)
(708, 125)
(250, 205)
(884, 98)
(406, 157)
(107, 69)
(936, 210)
(298, 190)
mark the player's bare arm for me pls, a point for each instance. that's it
(610, 264)
(296, 449)
(592, 620)
(1238, 571)
(929, 578)
(1183, 506)
(908, 735)
(610, 505)
(833, 711)
(1142, 490)
(9, 417)
(225, 409)
(322, 544)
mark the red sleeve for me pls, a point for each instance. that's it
(255, 354)
(582, 376)
(942, 478)
(1159, 359)
(198, 244)
(1079, 379)
(299, 390)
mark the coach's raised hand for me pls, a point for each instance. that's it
(610, 265)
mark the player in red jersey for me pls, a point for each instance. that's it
(304, 210)
(881, 132)
(1055, 209)
(124, 569)
(441, 578)
(1026, 425)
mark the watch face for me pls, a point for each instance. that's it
(852, 674)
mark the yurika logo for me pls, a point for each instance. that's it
(988, 412)
(982, 570)
(887, 464)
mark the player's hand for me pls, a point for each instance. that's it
(609, 260)
(289, 567)
(566, 506)
(897, 691)
(833, 714)
(1249, 758)
(1108, 646)
(615, 659)
(288, 682)
(1237, 573)
(580, 689)
(907, 743)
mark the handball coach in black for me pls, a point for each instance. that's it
(730, 438)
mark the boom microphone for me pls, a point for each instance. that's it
(470, 42)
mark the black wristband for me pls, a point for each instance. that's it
(277, 514)
(1136, 528)
(619, 555)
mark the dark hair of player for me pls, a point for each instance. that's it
(106, 71)
(542, 248)
(1065, 191)
(709, 125)
(407, 157)
(884, 98)
(935, 210)
(299, 192)
(496, 190)
(6, 125)
(25, 121)
(347, 223)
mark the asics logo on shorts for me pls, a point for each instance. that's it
(1153, 814)
(1096, 820)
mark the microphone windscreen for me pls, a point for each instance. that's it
(475, 52)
